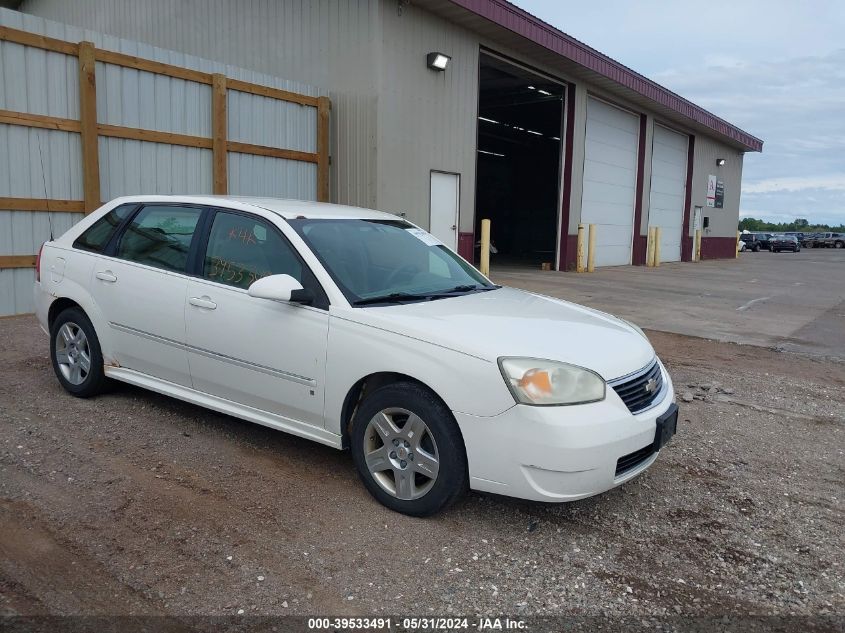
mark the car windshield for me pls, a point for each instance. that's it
(387, 261)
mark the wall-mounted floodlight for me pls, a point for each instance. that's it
(437, 61)
(720, 161)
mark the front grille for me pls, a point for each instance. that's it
(634, 390)
(632, 460)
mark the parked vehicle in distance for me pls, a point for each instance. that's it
(764, 240)
(741, 246)
(359, 330)
(796, 234)
(809, 240)
(832, 240)
(778, 243)
(751, 241)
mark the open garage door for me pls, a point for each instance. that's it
(668, 190)
(520, 118)
(610, 180)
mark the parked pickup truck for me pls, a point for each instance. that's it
(831, 240)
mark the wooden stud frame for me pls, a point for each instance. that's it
(89, 129)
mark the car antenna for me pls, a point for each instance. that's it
(44, 181)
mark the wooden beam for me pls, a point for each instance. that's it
(17, 261)
(273, 93)
(153, 136)
(323, 107)
(88, 126)
(38, 41)
(148, 65)
(271, 152)
(39, 120)
(40, 204)
(219, 134)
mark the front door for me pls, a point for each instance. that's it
(141, 291)
(269, 355)
(445, 206)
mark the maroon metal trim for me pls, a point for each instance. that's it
(466, 243)
(718, 248)
(523, 23)
(566, 259)
(639, 246)
(686, 240)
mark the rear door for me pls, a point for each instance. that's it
(269, 355)
(140, 287)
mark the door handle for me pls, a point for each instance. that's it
(202, 302)
(107, 276)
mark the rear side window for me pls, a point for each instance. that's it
(160, 236)
(243, 249)
(96, 237)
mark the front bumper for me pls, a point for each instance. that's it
(559, 453)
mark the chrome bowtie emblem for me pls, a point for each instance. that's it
(651, 385)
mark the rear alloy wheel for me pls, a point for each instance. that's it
(75, 353)
(408, 450)
(839, 245)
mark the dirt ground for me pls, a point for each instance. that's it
(134, 503)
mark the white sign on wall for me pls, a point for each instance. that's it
(711, 191)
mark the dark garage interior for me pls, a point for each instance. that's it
(520, 122)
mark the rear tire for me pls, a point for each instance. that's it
(756, 248)
(76, 355)
(839, 245)
(395, 462)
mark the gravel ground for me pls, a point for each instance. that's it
(134, 503)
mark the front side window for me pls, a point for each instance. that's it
(387, 259)
(97, 236)
(242, 249)
(160, 236)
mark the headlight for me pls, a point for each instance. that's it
(547, 382)
(636, 327)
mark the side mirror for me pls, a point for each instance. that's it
(280, 288)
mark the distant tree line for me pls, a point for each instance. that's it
(799, 224)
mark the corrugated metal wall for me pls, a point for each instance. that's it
(723, 222)
(332, 44)
(42, 82)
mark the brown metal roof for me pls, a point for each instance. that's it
(502, 21)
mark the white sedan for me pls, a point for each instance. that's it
(359, 330)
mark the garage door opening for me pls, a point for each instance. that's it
(520, 122)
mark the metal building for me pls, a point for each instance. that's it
(525, 126)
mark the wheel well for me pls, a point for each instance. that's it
(365, 385)
(57, 307)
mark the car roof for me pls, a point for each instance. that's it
(286, 208)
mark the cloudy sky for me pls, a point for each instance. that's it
(775, 68)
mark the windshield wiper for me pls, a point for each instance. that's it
(393, 297)
(399, 297)
(462, 289)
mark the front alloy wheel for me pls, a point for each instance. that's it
(408, 450)
(401, 453)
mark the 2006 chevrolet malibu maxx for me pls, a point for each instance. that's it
(356, 329)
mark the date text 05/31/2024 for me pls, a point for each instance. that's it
(416, 624)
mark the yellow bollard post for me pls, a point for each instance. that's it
(579, 262)
(738, 240)
(591, 251)
(649, 250)
(485, 248)
(698, 245)
(656, 246)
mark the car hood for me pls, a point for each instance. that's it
(511, 322)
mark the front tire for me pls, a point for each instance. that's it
(408, 450)
(75, 354)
